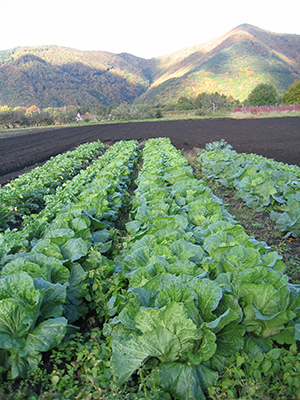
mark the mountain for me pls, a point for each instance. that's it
(55, 76)
(232, 64)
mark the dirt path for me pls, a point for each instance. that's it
(277, 138)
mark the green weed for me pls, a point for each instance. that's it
(264, 376)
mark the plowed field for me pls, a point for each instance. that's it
(277, 138)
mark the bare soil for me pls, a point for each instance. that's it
(277, 138)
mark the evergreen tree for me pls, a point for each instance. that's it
(263, 95)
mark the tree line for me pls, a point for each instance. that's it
(203, 104)
(262, 95)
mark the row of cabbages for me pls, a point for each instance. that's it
(260, 182)
(45, 287)
(199, 289)
(27, 194)
(34, 225)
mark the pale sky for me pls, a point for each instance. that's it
(143, 28)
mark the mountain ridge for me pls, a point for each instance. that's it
(232, 64)
(208, 56)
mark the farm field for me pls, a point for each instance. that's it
(277, 138)
(145, 277)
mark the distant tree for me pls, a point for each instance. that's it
(184, 103)
(158, 113)
(130, 112)
(141, 111)
(263, 95)
(210, 103)
(169, 107)
(5, 119)
(63, 115)
(13, 119)
(4, 109)
(32, 109)
(42, 118)
(292, 95)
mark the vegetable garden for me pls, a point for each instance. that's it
(124, 276)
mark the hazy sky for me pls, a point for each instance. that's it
(142, 28)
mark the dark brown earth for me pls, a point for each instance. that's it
(277, 138)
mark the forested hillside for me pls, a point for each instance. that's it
(52, 76)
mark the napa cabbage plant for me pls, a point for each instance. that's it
(174, 324)
(30, 321)
(288, 220)
(271, 306)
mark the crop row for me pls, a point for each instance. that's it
(34, 225)
(26, 194)
(45, 288)
(199, 289)
(260, 182)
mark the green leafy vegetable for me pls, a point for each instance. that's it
(30, 321)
